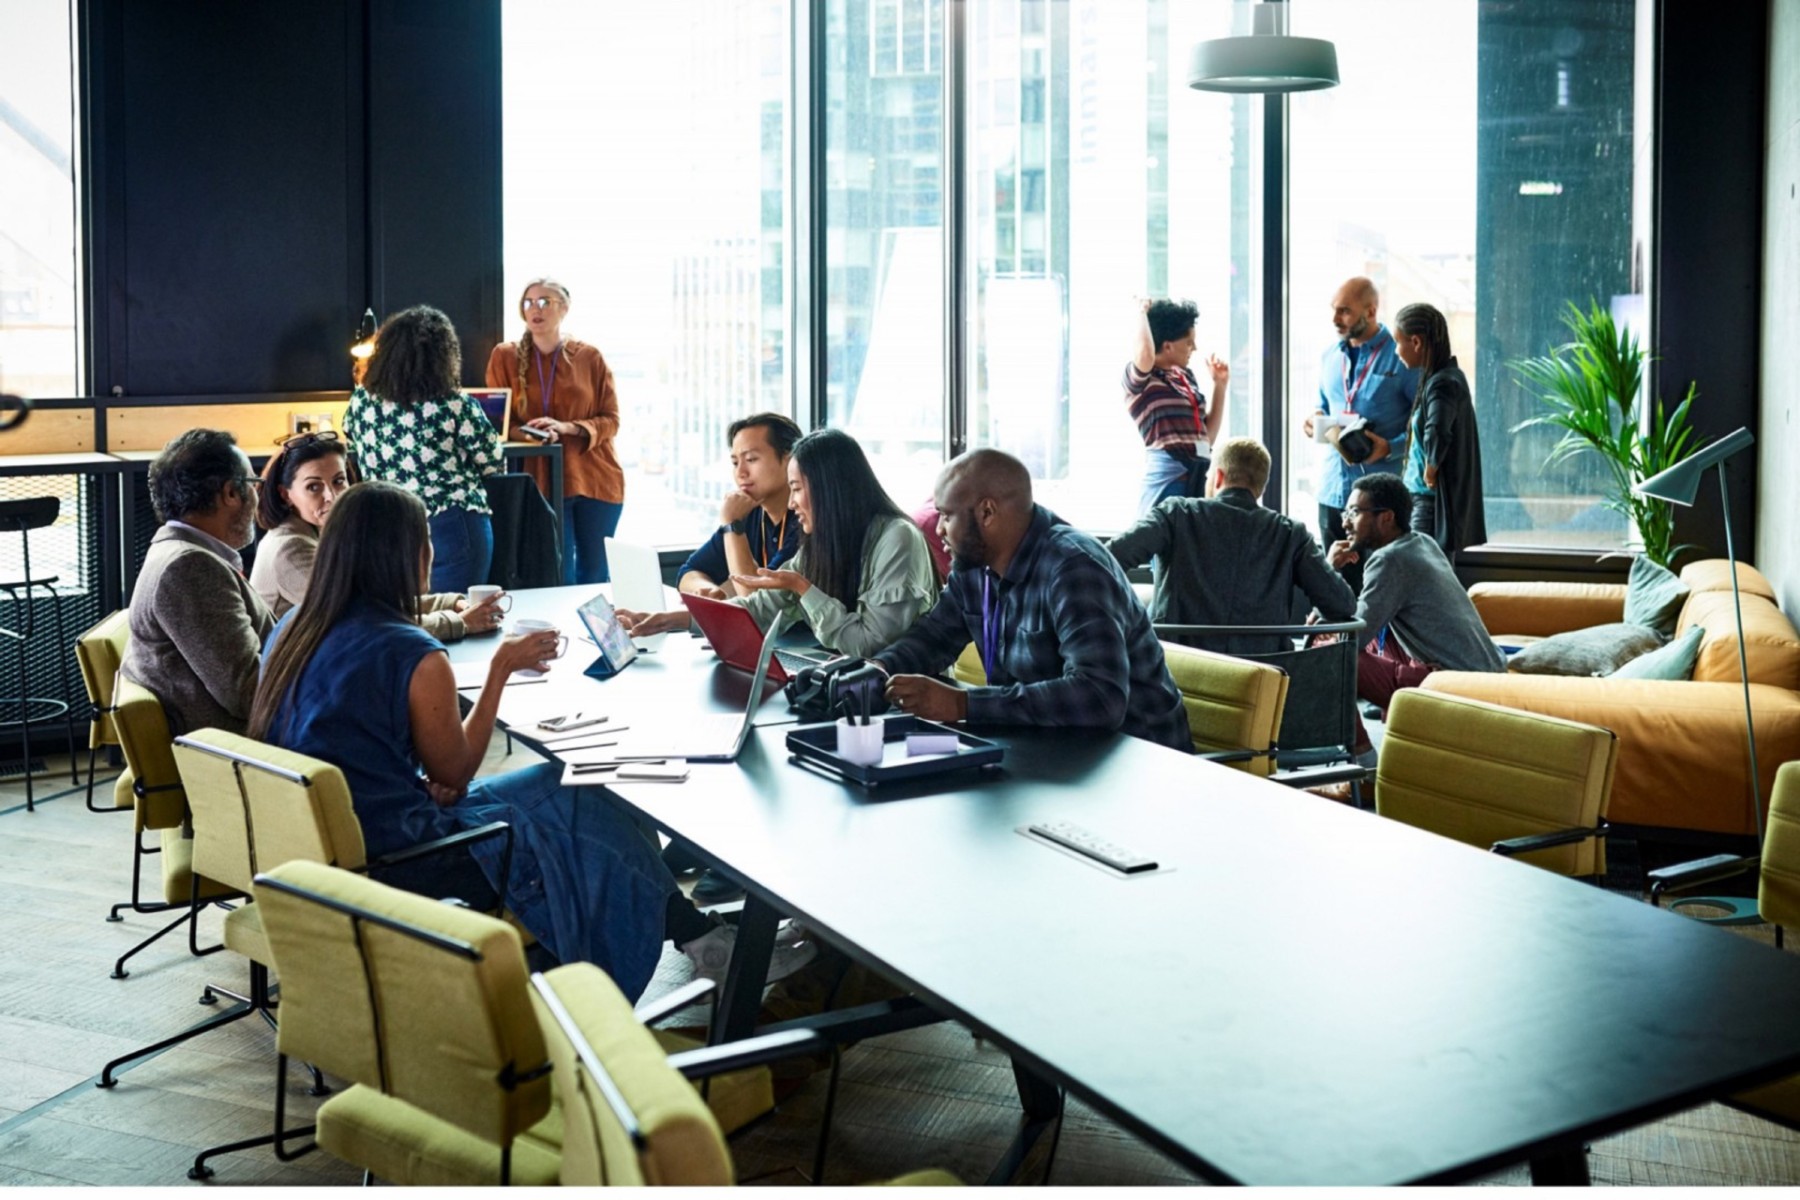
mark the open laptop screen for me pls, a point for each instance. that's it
(497, 404)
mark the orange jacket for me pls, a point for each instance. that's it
(583, 393)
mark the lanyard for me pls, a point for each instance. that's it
(780, 535)
(1350, 392)
(990, 624)
(546, 387)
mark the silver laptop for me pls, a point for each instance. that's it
(713, 738)
(637, 583)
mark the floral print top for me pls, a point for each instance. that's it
(440, 450)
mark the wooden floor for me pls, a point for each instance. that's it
(932, 1097)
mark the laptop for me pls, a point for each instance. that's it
(497, 404)
(735, 638)
(715, 737)
(637, 583)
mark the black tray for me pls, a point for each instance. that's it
(817, 745)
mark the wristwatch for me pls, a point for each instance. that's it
(738, 526)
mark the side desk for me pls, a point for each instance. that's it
(1303, 994)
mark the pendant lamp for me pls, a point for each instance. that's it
(1269, 60)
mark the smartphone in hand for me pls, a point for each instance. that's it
(532, 431)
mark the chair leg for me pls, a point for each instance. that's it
(136, 903)
(25, 707)
(62, 641)
(119, 971)
(192, 917)
(831, 1086)
(107, 1078)
(278, 1139)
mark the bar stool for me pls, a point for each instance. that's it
(21, 517)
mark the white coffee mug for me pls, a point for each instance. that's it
(533, 625)
(481, 593)
(861, 744)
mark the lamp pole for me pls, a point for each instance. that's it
(1737, 605)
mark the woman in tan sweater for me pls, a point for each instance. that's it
(301, 484)
(563, 388)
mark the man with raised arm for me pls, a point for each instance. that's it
(1062, 637)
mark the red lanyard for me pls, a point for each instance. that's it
(1351, 393)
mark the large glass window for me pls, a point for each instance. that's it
(1096, 176)
(1477, 157)
(39, 349)
(884, 214)
(646, 151)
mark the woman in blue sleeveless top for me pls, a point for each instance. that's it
(350, 678)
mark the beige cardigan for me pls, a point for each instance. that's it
(283, 568)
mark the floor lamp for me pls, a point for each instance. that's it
(1678, 485)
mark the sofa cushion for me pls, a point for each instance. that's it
(1654, 596)
(1771, 647)
(1673, 661)
(1714, 575)
(1541, 609)
(1599, 650)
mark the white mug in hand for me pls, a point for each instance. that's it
(526, 625)
(481, 593)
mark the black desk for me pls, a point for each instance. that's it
(1311, 995)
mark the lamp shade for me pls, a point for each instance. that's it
(1263, 63)
(1680, 483)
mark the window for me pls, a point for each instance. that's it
(1069, 191)
(1479, 158)
(39, 347)
(884, 221)
(656, 195)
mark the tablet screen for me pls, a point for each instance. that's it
(615, 644)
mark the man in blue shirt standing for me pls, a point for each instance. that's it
(1361, 375)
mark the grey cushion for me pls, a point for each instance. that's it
(1654, 596)
(1599, 650)
(1673, 661)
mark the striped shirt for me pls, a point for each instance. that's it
(1073, 647)
(1166, 404)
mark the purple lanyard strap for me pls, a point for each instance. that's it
(546, 387)
(990, 623)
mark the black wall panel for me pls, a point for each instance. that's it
(261, 172)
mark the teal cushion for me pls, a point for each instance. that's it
(1598, 650)
(1673, 661)
(1654, 596)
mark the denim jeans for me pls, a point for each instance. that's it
(1165, 477)
(585, 880)
(587, 523)
(462, 549)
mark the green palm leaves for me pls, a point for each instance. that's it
(1590, 387)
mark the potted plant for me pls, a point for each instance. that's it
(1590, 386)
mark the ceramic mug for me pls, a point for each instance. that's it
(534, 625)
(481, 593)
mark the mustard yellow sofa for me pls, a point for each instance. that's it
(1682, 761)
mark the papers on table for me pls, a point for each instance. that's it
(472, 676)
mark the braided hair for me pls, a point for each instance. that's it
(1425, 322)
(524, 347)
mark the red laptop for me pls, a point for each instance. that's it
(736, 639)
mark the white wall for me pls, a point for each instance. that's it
(1778, 436)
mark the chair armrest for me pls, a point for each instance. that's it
(1543, 841)
(1305, 777)
(758, 1051)
(655, 1010)
(1701, 871)
(1231, 756)
(467, 837)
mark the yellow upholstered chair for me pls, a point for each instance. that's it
(99, 652)
(160, 807)
(1233, 705)
(629, 1116)
(1517, 783)
(968, 669)
(425, 1008)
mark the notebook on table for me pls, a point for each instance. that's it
(736, 639)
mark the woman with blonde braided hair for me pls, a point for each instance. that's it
(1443, 463)
(564, 389)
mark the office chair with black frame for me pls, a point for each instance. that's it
(254, 806)
(1315, 743)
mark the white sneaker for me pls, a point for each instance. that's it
(711, 955)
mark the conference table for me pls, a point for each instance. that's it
(1301, 993)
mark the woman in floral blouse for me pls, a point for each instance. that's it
(411, 425)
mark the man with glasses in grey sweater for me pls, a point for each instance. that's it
(1417, 616)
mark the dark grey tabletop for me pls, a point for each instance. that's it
(1306, 994)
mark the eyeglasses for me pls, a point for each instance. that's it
(249, 480)
(293, 441)
(1357, 512)
(531, 302)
